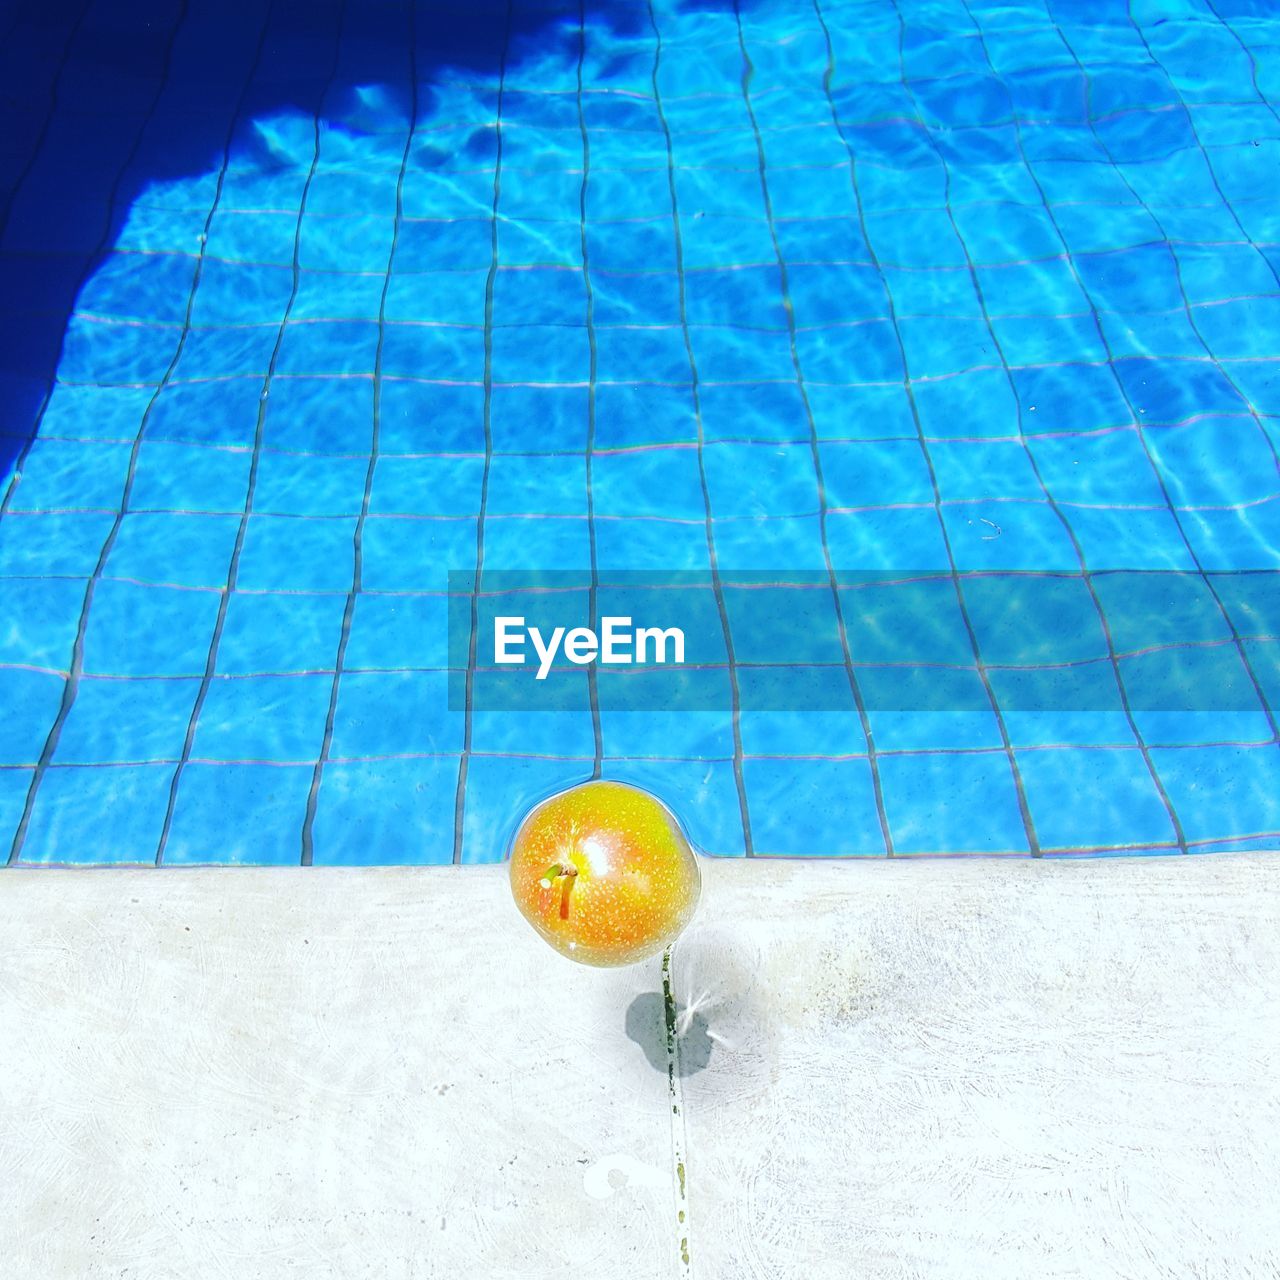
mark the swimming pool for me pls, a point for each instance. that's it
(315, 312)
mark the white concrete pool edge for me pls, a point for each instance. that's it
(943, 1069)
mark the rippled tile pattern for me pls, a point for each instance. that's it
(305, 305)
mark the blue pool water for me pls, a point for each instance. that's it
(307, 306)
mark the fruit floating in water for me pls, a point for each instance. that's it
(604, 873)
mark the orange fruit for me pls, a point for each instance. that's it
(604, 873)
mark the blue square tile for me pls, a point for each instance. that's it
(921, 238)
(1123, 805)
(65, 475)
(386, 812)
(622, 298)
(252, 237)
(1222, 792)
(974, 470)
(135, 721)
(564, 735)
(543, 243)
(539, 297)
(802, 733)
(662, 483)
(1140, 280)
(213, 354)
(40, 619)
(640, 353)
(102, 413)
(137, 630)
(31, 700)
(560, 412)
(398, 632)
(784, 625)
(52, 544)
(500, 790)
(303, 485)
(439, 297)
(554, 485)
(103, 815)
(895, 621)
(1049, 287)
(1123, 538)
(761, 480)
(187, 478)
(750, 412)
(422, 351)
(310, 347)
(432, 244)
(143, 287)
(320, 415)
(875, 473)
(174, 549)
(936, 346)
(280, 634)
(725, 297)
(244, 814)
(14, 785)
(97, 351)
(338, 295)
(751, 544)
(861, 413)
(1164, 392)
(651, 545)
(346, 242)
(814, 808)
(416, 555)
(1217, 461)
(285, 554)
(666, 734)
(263, 718)
(534, 542)
(1031, 340)
(1009, 535)
(224, 412)
(421, 417)
(1093, 470)
(557, 353)
(835, 293)
(723, 353)
(952, 803)
(396, 713)
(972, 406)
(864, 354)
(886, 538)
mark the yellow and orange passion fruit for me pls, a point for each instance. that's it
(604, 873)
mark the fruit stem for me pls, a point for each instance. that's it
(556, 871)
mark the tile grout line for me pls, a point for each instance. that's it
(460, 799)
(71, 687)
(952, 573)
(864, 719)
(233, 568)
(734, 691)
(1123, 390)
(357, 583)
(1085, 572)
(679, 1128)
(593, 685)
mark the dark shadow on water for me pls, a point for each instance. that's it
(83, 132)
(646, 1025)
